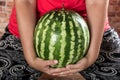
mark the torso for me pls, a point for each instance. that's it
(43, 6)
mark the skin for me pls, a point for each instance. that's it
(26, 17)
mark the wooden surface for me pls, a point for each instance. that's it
(1, 33)
(74, 77)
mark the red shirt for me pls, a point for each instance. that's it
(44, 6)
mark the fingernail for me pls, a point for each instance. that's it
(67, 67)
(55, 61)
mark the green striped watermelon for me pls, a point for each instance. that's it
(61, 35)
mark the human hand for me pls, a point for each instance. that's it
(44, 66)
(74, 68)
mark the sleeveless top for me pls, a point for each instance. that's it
(44, 6)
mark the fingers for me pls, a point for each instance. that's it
(70, 67)
(58, 70)
(44, 66)
(50, 62)
(52, 71)
(81, 65)
(67, 72)
(74, 68)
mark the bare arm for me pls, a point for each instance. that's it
(26, 17)
(96, 12)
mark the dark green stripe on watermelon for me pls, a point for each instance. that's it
(76, 28)
(40, 36)
(67, 39)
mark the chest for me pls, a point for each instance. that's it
(44, 6)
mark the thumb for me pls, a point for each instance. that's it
(51, 62)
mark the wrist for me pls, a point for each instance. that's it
(91, 59)
(30, 57)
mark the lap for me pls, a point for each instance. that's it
(107, 66)
(12, 62)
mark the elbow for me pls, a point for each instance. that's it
(96, 3)
(25, 1)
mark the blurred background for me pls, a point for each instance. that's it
(113, 14)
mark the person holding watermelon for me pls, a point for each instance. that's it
(17, 55)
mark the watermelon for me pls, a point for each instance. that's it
(61, 35)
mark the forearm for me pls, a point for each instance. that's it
(26, 18)
(96, 12)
